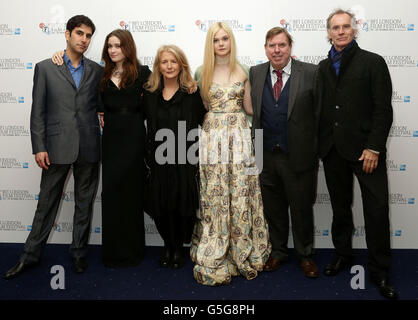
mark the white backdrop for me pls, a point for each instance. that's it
(31, 31)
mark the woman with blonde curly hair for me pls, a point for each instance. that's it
(170, 109)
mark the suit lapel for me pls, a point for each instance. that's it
(294, 86)
(86, 70)
(67, 74)
(260, 80)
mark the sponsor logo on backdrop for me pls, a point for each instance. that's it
(7, 30)
(360, 231)
(397, 233)
(379, 24)
(147, 26)
(235, 25)
(16, 195)
(394, 166)
(310, 59)
(249, 61)
(322, 198)
(52, 28)
(68, 227)
(400, 61)
(375, 24)
(9, 97)
(401, 199)
(303, 25)
(321, 232)
(14, 64)
(402, 132)
(400, 98)
(13, 163)
(14, 131)
(11, 225)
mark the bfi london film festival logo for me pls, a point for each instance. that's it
(17, 195)
(311, 59)
(402, 132)
(8, 225)
(400, 61)
(7, 30)
(13, 163)
(401, 199)
(295, 25)
(399, 98)
(249, 61)
(368, 24)
(14, 131)
(392, 165)
(323, 198)
(14, 64)
(9, 97)
(57, 22)
(235, 25)
(53, 28)
(147, 26)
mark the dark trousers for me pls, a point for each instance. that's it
(174, 229)
(374, 189)
(282, 188)
(52, 185)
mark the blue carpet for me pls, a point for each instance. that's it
(150, 282)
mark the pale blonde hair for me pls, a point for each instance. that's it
(209, 58)
(184, 78)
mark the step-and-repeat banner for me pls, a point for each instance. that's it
(31, 31)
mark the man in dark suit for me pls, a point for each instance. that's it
(355, 120)
(283, 93)
(65, 133)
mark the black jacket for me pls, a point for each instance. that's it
(356, 105)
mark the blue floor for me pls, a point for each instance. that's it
(150, 282)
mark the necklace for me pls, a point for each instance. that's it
(117, 73)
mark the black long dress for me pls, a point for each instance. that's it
(123, 234)
(173, 188)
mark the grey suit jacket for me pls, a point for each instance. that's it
(303, 111)
(64, 119)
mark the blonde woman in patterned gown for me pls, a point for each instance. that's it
(230, 237)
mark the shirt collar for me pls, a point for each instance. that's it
(68, 61)
(287, 69)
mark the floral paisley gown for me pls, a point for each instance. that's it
(230, 237)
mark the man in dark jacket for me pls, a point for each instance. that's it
(355, 120)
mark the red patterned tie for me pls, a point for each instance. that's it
(278, 85)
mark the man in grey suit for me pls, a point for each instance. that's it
(65, 133)
(283, 93)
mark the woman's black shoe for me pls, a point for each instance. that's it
(178, 259)
(164, 260)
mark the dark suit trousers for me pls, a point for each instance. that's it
(282, 188)
(374, 190)
(52, 185)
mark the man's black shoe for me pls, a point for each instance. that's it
(80, 264)
(17, 270)
(386, 289)
(337, 265)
